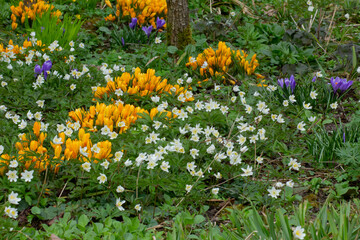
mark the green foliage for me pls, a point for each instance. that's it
(49, 28)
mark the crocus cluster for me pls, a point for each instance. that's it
(30, 10)
(288, 83)
(222, 61)
(45, 68)
(340, 84)
(159, 24)
(11, 47)
(143, 10)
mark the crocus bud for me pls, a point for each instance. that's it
(147, 30)
(160, 23)
(133, 23)
(38, 69)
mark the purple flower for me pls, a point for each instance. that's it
(38, 70)
(288, 83)
(314, 79)
(292, 83)
(340, 83)
(133, 23)
(344, 137)
(46, 67)
(123, 41)
(42, 28)
(281, 83)
(160, 23)
(147, 30)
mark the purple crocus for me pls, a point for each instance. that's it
(38, 70)
(340, 83)
(288, 83)
(123, 41)
(314, 79)
(133, 23)
(344, 137)
(160, 23)
(147, 30)
(46, 67)
(281, 82)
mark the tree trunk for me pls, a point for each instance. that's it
(178, 23)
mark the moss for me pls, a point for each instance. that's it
(183, 39)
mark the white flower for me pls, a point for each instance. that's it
(294, 164)
(165, 166)
(273, 192)
(127, 163)
(12, 175)
(260, 159)
(215, 191)
(11, 212)
(307, 105)
(120, 189)
(158, 40)
(38, 116)
(279, 185)
(247, 171)
(290, 183)
(105, 164)
(119, 204)
(334, 105)
(86, 166)
(155, 99)
(313, 94)
(292, 98)
(318, 74)
(299, 232)
(286, 103)
(137, 207)
(205, 64)
(188, 188)
(13, 198)
(1, 149)
(232, 14)
(218, 175)
(57, 140)
(72, 87)
(102, 178)
(347, 16)
(311, 8)
(358, 70)
(40, 103)
(301, 126)
(13, 164)
(312, 118)
(81, 45)
(217, 87)
(27, 176)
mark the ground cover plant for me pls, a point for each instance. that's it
(249, 132)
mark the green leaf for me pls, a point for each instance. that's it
(35, 210)
(172, 49)
(28, 199)
(199, 219)
(83, 220)
(105, 30)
